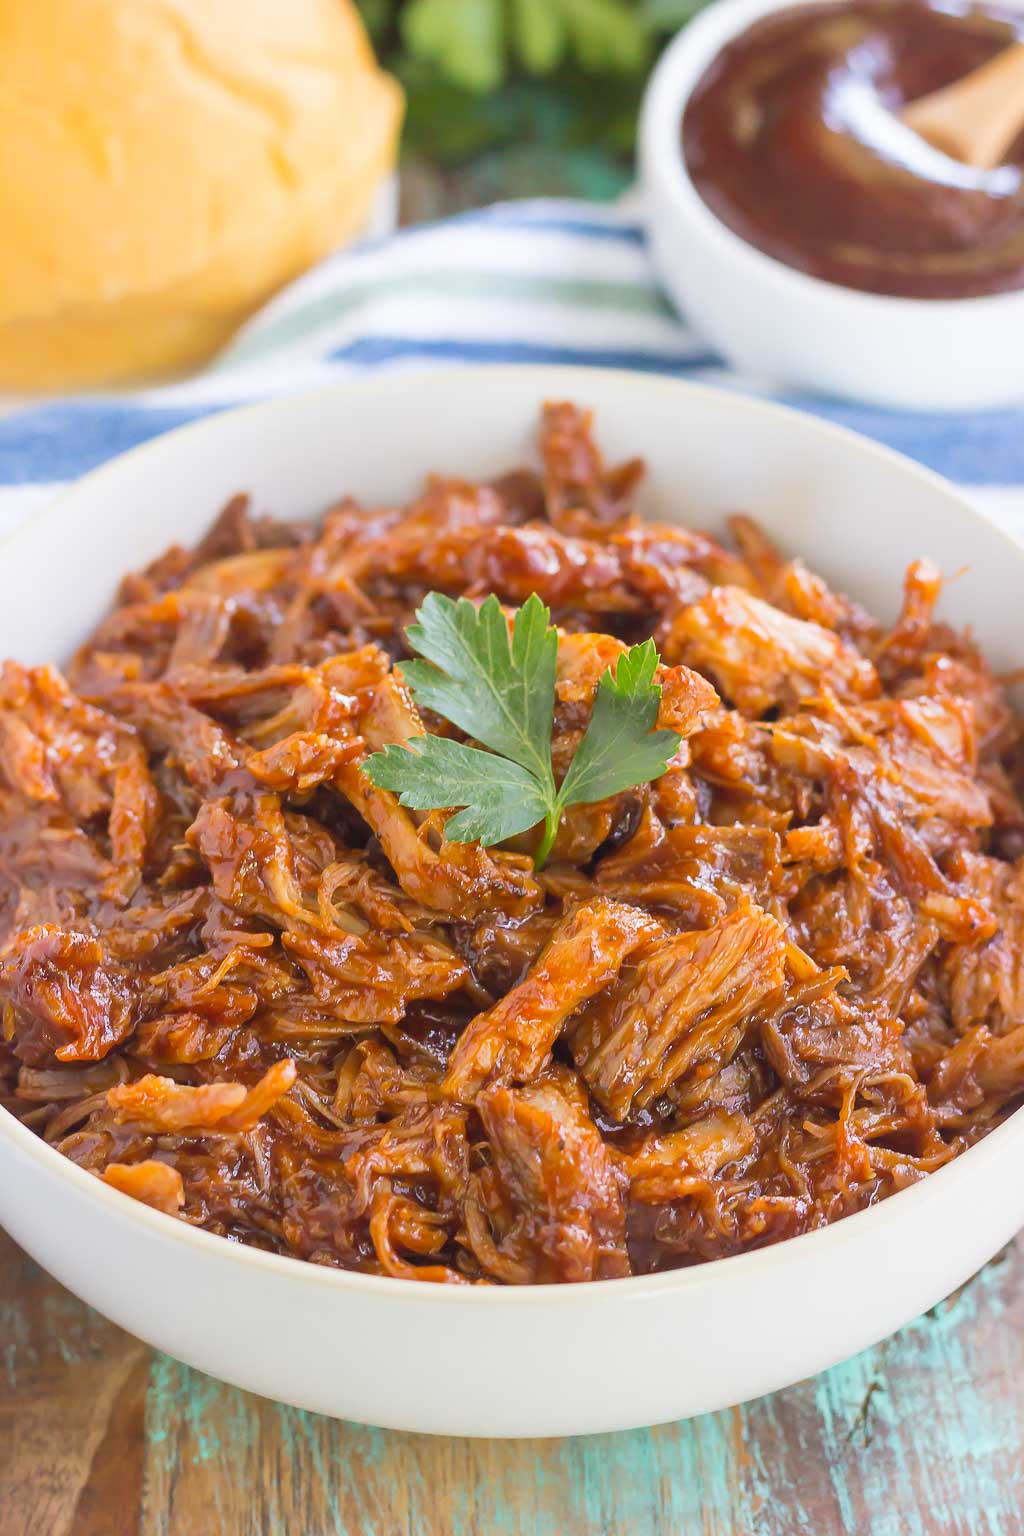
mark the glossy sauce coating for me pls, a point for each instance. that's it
(242, 985)
(793, 140)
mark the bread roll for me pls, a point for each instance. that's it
(165, 165)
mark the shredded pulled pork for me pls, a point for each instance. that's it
(249, 989)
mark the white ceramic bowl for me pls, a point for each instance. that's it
(783, 326)
(542, 1360)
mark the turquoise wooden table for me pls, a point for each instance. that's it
(100, 1436)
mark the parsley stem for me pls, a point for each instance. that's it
(551, 821)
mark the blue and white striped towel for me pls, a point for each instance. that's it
(538, 281)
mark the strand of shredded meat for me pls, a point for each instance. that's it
(244, 986)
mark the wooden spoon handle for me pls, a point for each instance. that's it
(977, 119)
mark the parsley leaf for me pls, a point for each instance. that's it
(621, 747)
(501, 799)
(539, 33)
(500, 692)
(499, 688)
(607, 36)
(465, 37)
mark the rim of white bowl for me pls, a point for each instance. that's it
(123, 1208)
(677, 73)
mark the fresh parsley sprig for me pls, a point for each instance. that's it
(499, 688)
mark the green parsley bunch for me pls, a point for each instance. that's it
(485, 73)
(499, 688)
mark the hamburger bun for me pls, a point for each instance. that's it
(165, 165)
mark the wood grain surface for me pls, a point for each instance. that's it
(100, 1436)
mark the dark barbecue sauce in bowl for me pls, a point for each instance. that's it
(792, 138)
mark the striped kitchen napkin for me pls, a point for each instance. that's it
(537, 281)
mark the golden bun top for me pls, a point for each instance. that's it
(166, 164)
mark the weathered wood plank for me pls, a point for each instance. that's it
(920, 1437)
(72, 1391)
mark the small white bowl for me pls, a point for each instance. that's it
(531, 1360)
(784, 327)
